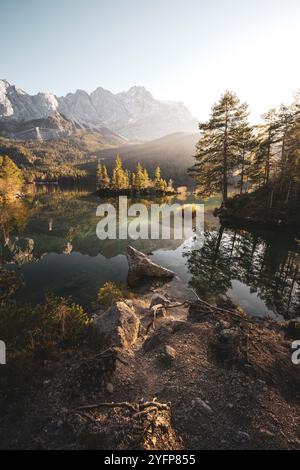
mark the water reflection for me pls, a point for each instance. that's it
(51, 238)
(259, 271)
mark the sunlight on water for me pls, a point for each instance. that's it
(51, 238)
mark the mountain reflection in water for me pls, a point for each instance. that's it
(51, 238)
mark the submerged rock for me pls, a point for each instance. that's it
(118, 325)
(140, 266)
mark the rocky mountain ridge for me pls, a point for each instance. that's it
(133, 114)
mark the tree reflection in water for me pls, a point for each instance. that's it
(268, 264)
(63, 223)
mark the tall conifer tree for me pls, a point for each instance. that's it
(218, 148)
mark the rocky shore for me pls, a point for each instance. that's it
(166, 370)
(262, 208)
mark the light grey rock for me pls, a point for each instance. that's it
(170, 352)
(156, 340)
(168, 355)
(118, 325)
(16, 104)
(203, 406)
(159, 311)
(140, 266)
(266, 433)
(159, 299)
(243, 436)
(133, 114)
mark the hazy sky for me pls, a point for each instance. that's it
(181, 50)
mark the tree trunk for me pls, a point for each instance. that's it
(283, 159)
(268, 163)
(216, 252)
(271, 199)
(225, 160)
(288, 192)
(242, 173)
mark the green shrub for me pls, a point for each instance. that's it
(112, 292)
(33, 334)
(10, 282)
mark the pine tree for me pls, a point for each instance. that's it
(246, 145)
(157, 178)
(99, 176)
(118, 176)
(163, 185)
(286, 119)
(139, 177)
(133, 180)
(267, 138)
(105, 178)
(170, 185)
(11, 177)
(127, 177)
(290, 161)
(146, 179)
(218, 148)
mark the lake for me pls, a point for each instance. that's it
(50, 238)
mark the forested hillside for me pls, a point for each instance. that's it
(55, 159)
(172, 153)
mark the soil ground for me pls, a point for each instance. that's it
(226, 383)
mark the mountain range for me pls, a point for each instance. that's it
(134, 115)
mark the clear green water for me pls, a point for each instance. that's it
(259, 271)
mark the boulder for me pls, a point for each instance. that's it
(178, 325)
(228, 344)
(157, 339)
(168, 355)
(118, 325)
(202, 406)
(140, 266)
(159, 299)
(158, 311)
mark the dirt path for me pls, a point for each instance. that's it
(229, 381)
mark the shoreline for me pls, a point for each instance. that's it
(165, 370)
(251, 210)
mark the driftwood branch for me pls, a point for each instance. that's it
(135, 407)
(125, 404)
(109, 351)
(219, 309)
(183, 304)
(167, 307)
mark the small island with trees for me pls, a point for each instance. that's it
(125, 182)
